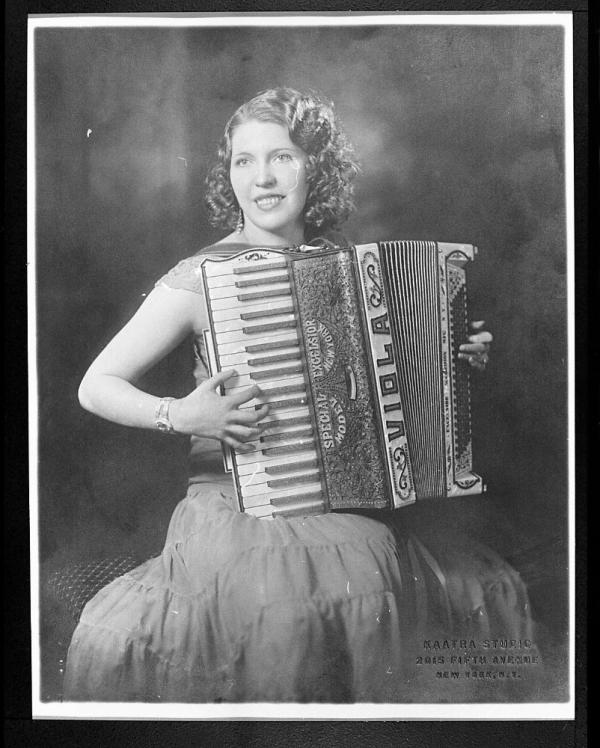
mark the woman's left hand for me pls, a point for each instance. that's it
(477, 350)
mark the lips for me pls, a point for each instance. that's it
(267, 202)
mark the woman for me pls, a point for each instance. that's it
(331, 607)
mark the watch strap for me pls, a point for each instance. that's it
(161, 416)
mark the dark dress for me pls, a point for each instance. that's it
(332, 608)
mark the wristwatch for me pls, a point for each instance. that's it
(161, 418)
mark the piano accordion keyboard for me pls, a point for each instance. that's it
(256, 336)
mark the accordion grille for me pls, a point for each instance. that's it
(410, 270)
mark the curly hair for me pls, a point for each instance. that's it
(313, 126)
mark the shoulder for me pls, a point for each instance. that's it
(186, 275)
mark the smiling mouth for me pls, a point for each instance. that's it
(268, 201)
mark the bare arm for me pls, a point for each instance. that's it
(109, 390)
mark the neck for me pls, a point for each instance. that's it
(255, 235)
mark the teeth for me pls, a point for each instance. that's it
(268, 202)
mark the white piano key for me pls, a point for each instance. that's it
(254, 333)
(277, 419)
(267, 375)
(273, 357)
(271, 422)
(228, 292)
(267, 387)
(261, 512)
(257, 476)
(276, 463)
(282, 404)
(232, 360)
(251, 458)
(278, 296)
(273, 428)
(226, 267)
(252, 485)
(305, 509)
(246, 279)
(256, 499)
(302, 509)
(293, 421)
(273, 341)
(263, 309)
(278, 404)
(288, 442)
(229, 325)
(273, 437)
(293, 446)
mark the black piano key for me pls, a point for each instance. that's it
(252, 268)
(292, 480)
(270, 312)
(285, 449)
(303, 511)
(311, 504)
(292, 402)
(286, 435)
(290, 467)
(276, 373)
(270, 327)
(308, 496)
(266, 360)
(262, 281)
(261, 347)
(267, 293)
(284, 389)
(285, 422)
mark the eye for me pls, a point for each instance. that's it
(241, 161)
(283, 157)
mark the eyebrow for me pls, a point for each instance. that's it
(292, 148)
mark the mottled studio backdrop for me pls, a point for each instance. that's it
(460, 135)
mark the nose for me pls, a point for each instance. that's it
(264, 175)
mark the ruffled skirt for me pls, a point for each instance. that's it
(339, 607)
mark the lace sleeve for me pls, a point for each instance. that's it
(186, 275)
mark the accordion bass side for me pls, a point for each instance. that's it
(355, 350)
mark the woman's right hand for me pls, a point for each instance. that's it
(205, 412)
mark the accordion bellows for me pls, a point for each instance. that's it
(356, 351)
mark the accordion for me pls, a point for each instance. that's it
(355, 350)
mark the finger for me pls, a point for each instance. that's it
(219, 379)
(263, 411)
(477, 324)
(249, 416)
(477, 360)
(238, 445)
(243, 433)
(247, 394)
(481, 337)
(474, 348)
(474, 356)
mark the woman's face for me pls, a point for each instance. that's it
(268, 176)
